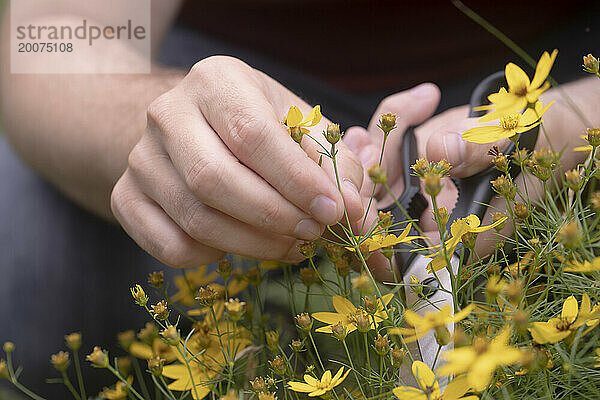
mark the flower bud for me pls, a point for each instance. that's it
(139, 296)
(155, 366)
(60, 361)
(98, 358)
(278, 365)
(304, 322)
(386, 219)
(433, 183)
(469, 239)
(376, 174)
(362, 322)
(382, 345)
(520, 321)
(296, 134)
(235, 309)
(500, 161)
(272, 340)
(591, 64)
(308, 276)
(398, 356)
(254, 276)
(504, 187)
(442, 335)
(157, 279)
(574, 180)
(416, 285)
(339, 331)
(259, 384)
(8, 347)
(593, 136)
(297, 346)
(224, 268)
(443, 215)
(387, 122)
(521, 211)
(497, 217)
(333, 133)
(3, 370)
(161, 310)
(171, 335)
(369, 305)
(73, 341)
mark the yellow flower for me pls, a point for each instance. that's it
(458, 229)
(510, 124)
(315, 387)
(381, 241)
(206, 358)
(597, 358)
(269, 265)
(521, 92)
(121, 391)
(191, 281)
(571, 318)
(431, 320)
(159, 348)
(481, 359)
(584, 267)
(294, 118)
(429, 388)
(345, 312)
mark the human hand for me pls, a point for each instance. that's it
(216, 172)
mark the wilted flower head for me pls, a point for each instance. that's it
(304, 322)
(307, 249)
(278, 365)
(387, 122)
(382, 345)
(339, 331)
(207, 296)
(333, 133)
(155, 365)
(235, 308)
(171, 335)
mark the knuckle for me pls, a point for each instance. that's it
(246, 131)
(271, 216)
(205, 175)
(196, 221)
(172, 251)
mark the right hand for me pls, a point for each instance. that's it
(216, 172)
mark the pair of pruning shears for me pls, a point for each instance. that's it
(474, 195)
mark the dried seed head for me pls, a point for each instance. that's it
(342, 267)
(207, 296)
(504, 187)
(278, 365)
(370, 305)
(307, 249)
(382, 345)
(297, 346)
(443, 215)
(155, 366)
(259, 384)
(363, 284)
(570, 235)
(171, 335)
(362, 321)
(514, 291)
(334, 253)
(148, 333)
(573, 179)
(398, 357)
(595, 201)
(339, 331)
(308, 276)
(469, 239)
(519, 157)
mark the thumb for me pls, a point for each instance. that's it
(447, 143)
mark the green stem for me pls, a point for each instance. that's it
(119, 377)
(353, 369)
(79, 375)
(316, 350)
(139, 376)
(69, 385)
(13, 380)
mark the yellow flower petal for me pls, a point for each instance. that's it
(425, 377)
(462, 314)
(311, 380)
(542, 70)
(313, 117)
(456, 388)
(329, 317)
(486, 134)
(516, 78)
(294, 117)
(570, 309)
(480, 373)
(409, 393)
(342, 305)
(141, 350)
(300, 387)
(544, 332)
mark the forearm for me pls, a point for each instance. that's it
(77, 130)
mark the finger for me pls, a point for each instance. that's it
(444, 141)
(153, 230)
(213, 174)
(251, 129)
(356, 137)
(207, 225)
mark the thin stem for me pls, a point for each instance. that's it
(79, 375)
(12, 378)
(119, 377)
(140, 377)
(69, 385)
(353, 369)
(316, 350)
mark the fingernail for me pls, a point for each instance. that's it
(324, 210)
(455, 149)
(423, 90)
(307, 229)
